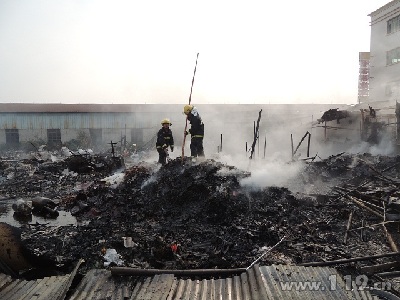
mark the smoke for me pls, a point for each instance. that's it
(114, 180)
(385, 147)
(229, 135)
(272, 163)
(231, 127)
(272, 173)
(152, 178)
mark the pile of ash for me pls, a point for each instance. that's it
(189, 216)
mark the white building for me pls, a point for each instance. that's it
(384, 72)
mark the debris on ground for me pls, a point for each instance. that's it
(188, 215)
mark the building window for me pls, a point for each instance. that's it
(392, 89)
(12, 136)
(393, 25)
(393, 56)
(54, 136)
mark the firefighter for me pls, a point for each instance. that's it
(164, 140)
(196, 131)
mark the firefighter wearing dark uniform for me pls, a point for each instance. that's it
(196, 130)
(164, 140)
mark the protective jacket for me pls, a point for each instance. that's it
(164, 139)
(197, 126)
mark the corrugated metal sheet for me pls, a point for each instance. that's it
(139, 108)
(100, 284)
(54, 288)
(71, 116)
(4, 280)
(75, 120)
(304, 283)
(48, 288)
(77, 108)
(266, 282)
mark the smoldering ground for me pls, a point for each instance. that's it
(221, 211)
(210, 209)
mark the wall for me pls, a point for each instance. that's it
(382, 75)
(234, 122)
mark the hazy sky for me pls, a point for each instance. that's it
(94, 51)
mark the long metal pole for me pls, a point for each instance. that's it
(269, 250)
(347, 260)
(190, 100)
(194, 272)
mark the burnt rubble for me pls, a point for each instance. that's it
(333, 114)
(198, 215)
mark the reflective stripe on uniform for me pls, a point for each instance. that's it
(197, 136)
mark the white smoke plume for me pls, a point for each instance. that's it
(384, 147)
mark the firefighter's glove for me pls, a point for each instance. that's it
(172, 148)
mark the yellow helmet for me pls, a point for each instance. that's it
(166, 121)
(187, 109)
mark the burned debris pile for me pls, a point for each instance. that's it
(333, 114)
(191, 216)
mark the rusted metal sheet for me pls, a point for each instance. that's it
(11, 258)
(100, 284)
(266, 282)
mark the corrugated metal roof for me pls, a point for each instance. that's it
(74, 108)
(4, 280)
(266, 282)
(166, 108)
(75, 120)
(99, 284)
(54, 287)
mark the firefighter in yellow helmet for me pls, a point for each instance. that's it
(164, 140)
(196, 131)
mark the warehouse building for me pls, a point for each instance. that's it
(98, 125)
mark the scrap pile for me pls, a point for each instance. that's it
(190, 216)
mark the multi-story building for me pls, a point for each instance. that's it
(384, 74)
(363, 77)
